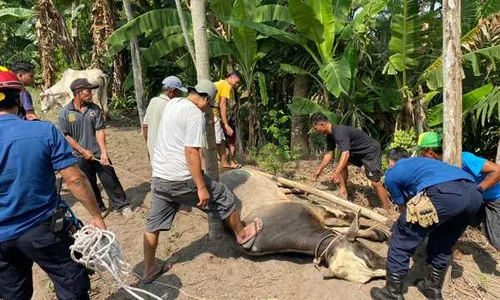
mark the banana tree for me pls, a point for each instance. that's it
(322, 28)
(246, 49)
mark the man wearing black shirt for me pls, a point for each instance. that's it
(357, 148)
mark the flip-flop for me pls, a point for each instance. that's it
(164, 269)
(249, 243)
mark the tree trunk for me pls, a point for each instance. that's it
(498, 153)
(421, 112)
(103, 25)
(136, 67)
(300, 138)
(118, 75)
(189, 45)
(74, 25)
(45, 44)
(452, 88)
(198, 14)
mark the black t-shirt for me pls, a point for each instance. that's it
(353, 140)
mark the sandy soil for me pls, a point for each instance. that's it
(217, 270)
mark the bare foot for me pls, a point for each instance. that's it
(151, 275)
(250, 231)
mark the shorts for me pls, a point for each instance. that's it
(489, 216)
(168, 196)
(373, 165)
(231, 140)
(219, 132)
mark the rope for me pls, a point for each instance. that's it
(317, 259)
(76, 154)
(101, 252)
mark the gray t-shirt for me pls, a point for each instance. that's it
(152, 119)
(82, 126)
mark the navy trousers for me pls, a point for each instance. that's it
(51, 252)
(456, 202)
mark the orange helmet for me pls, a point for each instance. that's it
(9, 80)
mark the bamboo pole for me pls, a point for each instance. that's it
(330, 197)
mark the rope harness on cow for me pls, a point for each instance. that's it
(319, 258)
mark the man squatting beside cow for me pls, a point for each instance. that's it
(445, 201)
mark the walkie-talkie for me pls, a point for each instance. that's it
(57, 223)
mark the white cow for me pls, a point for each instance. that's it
(60, 94)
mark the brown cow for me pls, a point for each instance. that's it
(292, 226)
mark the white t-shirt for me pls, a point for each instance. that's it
(152, 119)
(182, 125)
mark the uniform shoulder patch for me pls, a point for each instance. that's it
(71, 118)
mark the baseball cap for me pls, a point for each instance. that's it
(173, 82)
(205, 86)
(82, 83)
(430, 139)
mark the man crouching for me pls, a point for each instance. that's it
(178, 177)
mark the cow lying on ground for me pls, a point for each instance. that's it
(60, 94)
(291, 226)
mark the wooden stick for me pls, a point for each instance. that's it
(333, 198)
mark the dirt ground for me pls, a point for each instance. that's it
(206, 269)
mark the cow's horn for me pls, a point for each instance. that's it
(352, 233)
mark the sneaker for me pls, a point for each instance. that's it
(128, 212)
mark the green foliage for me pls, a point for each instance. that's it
(152, 21)
(406, 139)
(304, 106)
(337, 76)
(470, 101)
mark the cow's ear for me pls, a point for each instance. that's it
(352, 233)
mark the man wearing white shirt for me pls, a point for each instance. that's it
(178, 178)
(172, 87)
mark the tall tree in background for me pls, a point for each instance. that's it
(45, 42)
(452, 89)
(52, 32)
(198, 15)
(103, 25)
(136, 67)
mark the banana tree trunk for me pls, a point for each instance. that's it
(300, 138)
(74, 25)
(198, 15)
(136, 67)
(184, 30)
(498, 153)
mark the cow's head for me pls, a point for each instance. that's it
(352, 260)
(50, 99)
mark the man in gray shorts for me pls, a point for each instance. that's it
(178, 177)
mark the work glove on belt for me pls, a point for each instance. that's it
(420, 210)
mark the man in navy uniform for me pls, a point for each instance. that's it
(487, 176)
(444, 199)
(30, 153)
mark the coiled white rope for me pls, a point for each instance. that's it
(101, 252)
